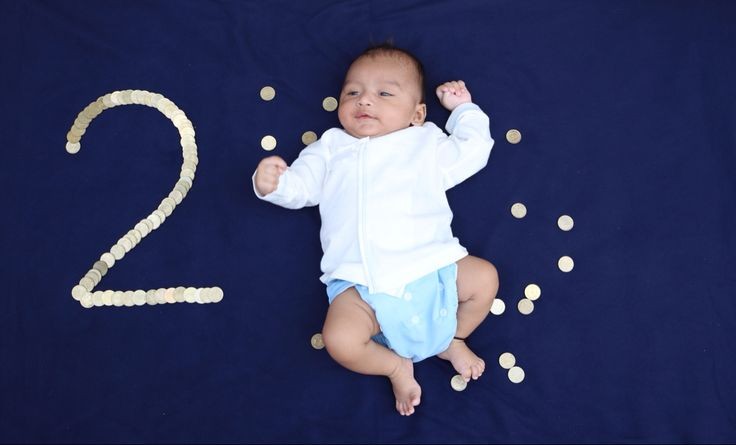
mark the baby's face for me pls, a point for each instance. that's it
(381, 95)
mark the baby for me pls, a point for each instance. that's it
(401, 288)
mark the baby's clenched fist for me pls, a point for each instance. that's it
(267, 174)
(452, 94)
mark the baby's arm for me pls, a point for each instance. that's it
(297, 185)
(466, 150)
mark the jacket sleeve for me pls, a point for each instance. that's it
(466, 150)
(301, 184)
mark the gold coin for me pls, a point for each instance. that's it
(507, 360)
(73, 147)
(108, 259)
(117, 251)
(533, 292)
(179, 294)
(525, 306)
(516, 374)
(268, 142)
(565, 264)
(513, 136)
(87, 283)
(78, 292)
(169, 295)
(518, 210)
(216, 294)
(139, 297)
(308, 137)
(498, 306)
(268, 93)
(329, 103)
(317, 342)
(101, 267)
(458, 383)
(565, 223)
(190, 295)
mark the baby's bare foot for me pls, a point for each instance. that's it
(465, 362)
(406, 390)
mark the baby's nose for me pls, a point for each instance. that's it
(364, 99)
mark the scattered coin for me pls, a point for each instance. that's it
(507, 360)
(268, 142)
(516, 374)
(565, 223)
(513, 136)
(308, 137)
(518, 210)
(317, 342)
(565, 264)
(329, 103)
(533, 292)
(498, 306)
(525, 306)
(458, 383)
(268, 93)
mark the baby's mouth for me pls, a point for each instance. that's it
(364, 116)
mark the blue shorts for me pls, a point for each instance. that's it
(420, 324)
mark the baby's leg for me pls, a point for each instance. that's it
(347, 333)
(477, 284)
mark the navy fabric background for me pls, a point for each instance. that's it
(627, 111)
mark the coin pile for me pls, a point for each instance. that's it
(508, 361)
(83, 292)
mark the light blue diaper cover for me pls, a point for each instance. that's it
(420, 324)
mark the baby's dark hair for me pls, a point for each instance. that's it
(389, 49)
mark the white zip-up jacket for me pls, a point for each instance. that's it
(385, 216)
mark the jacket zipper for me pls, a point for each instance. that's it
(362, 229)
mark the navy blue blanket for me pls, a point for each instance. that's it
(627, 114)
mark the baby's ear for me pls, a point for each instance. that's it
(420, 114)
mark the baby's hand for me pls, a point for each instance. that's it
(452, 94)
(267, 174)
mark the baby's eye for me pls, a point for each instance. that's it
(385, 94)
(351, 93)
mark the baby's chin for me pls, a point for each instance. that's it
(358, 134)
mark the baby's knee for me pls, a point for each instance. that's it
(340, 343)
(488, 280)
(492, 278)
